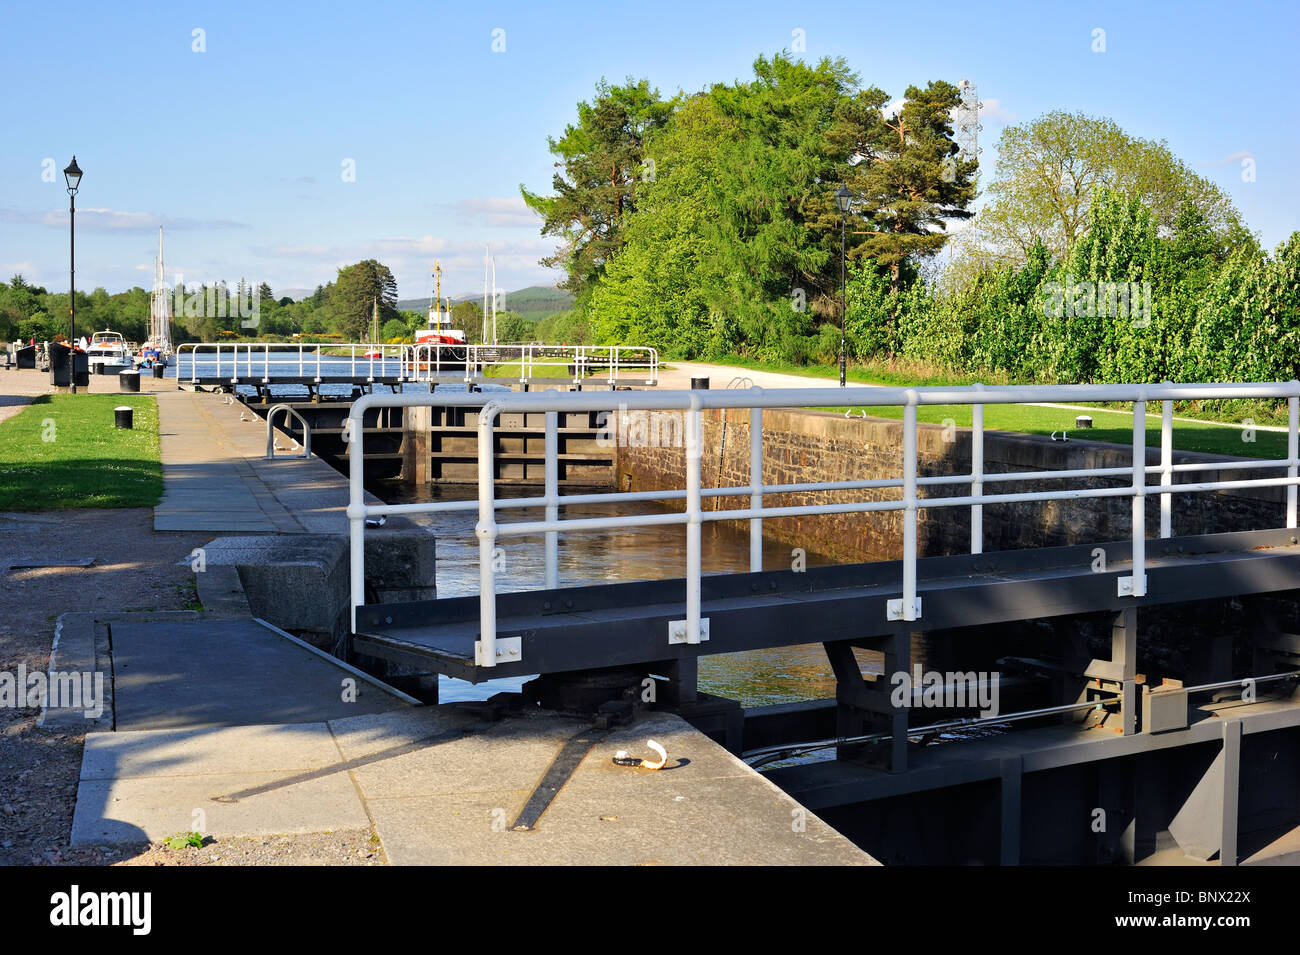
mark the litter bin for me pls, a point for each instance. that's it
(129, 381)
(158, 369)
(61, 370)
(123, 417)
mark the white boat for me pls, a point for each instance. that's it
(107, 353)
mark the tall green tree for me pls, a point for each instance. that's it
(1050, 170)
(905, 173)
(600, 162)
(355, 294)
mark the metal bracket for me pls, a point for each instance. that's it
(1126, 585)
(509, 650)
(894, 609)
(677, 631)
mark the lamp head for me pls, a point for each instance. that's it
(73, 176)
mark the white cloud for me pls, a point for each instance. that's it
(1236, 157)
(411, 258)
(893, 107)
(112, 220)
(993, 109)
(496, 212)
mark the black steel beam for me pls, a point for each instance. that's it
(620, 624)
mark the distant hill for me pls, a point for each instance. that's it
(297, 294)
(534, 302)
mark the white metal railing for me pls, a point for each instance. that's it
(270, 430)
(267, 362)
(529, 363)
(692, 403)
(322, 362)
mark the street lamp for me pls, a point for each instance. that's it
(73, 177)
(842, 199)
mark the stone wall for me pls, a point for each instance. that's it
(813, 446)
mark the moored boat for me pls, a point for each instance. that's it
(448, 341)
(107, 353)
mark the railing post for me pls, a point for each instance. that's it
(1292, 453)
(693, 510)
(354, 435)
(977, 475)
(1166, 467)
(485, 650)
(1138, 584)
(909, 512)
(755, 488)
(552, 499)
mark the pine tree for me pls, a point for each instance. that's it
(601, 160)
(910, 180)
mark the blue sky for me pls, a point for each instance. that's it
(239, 151)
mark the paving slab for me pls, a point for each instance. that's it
(148, 785)
(453, 802)
(224, 672)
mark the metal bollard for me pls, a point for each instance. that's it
(123, 417)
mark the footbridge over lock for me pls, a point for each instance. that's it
(1179, 763)
(311, 365)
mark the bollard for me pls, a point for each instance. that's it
(129, 381)
(122, 417)
(1083, 421)
(699, 384)
(158, 369)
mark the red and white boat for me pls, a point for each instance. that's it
(449, 341)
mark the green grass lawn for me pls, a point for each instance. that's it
(1112, 422)
(63, 451)
(512, 370)
(1108, 425)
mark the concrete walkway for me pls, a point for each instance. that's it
(216, 476)
(208, 481)
(270, 747)
(680, 373)
(225, 727)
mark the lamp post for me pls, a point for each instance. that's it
(73, 177)
(842, 199)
